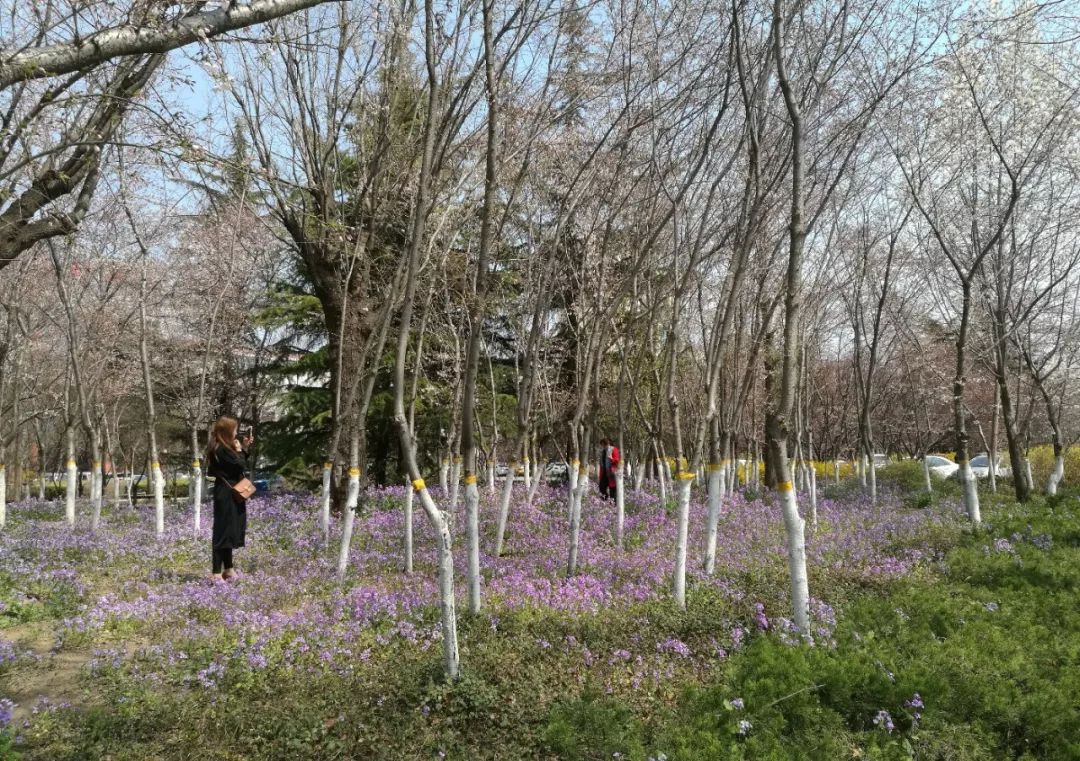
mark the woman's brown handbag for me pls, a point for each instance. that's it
(242, 488)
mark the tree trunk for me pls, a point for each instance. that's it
(504, 509)
(967, 480)
(782, 405)
(352, 499)
(72, 477)
(421, 210)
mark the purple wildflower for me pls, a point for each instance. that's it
(760, 617)
(884, 720)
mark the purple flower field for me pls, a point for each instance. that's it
(132, 604)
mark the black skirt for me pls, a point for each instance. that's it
(230, 511)
(230, 518)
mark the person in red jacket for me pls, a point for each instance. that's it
(609, 466)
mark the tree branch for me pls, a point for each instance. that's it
(128, 40)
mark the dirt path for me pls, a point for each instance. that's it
(55, 676)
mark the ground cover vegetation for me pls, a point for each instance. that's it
(931, 640)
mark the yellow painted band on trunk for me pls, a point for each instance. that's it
(354, 472)
(470, 479)
(584, 470)
(71, 464)
(575, 463)
(419, 484)
(713, 467)
(784, 486)
(2, 466)
(685, 476)
(328, 466)
(155, 466)
(457, 460)
(526, 459)
(97, 465)
(196, 464)
(961, 462)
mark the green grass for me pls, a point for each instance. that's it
(991, 644)
(988, 637)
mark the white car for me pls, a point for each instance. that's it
(980, 467)
(941, 467)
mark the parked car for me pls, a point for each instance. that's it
(267, 482)
(980, 467)
(941, 467)
(502, 470)
(556, 473)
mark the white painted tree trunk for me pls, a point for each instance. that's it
(836, 471)
(324, 508)
(577, 496)
(572, 495)
(472, 517)
(572, 469)
(927, 481)
(491, 477)
(41, 487)
(685, 481)
(455, 484)
(1052, 483)
(639, 477)
(533, 490)
(504, 509)
(717, 474)
(444, 476)
(196, 494)
(352, 497)
(159, 497)
(794, 528)
(3, 495)
(1027, 468)
(575, 518)
(873, 484)
(862, 472)
(660, 468)
(528, 474)
(451, 656)
(970, 493)
(620, 507)
(409, 493)
(95, 495)
(813, 497)
(72, 490)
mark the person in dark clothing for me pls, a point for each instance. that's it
(226, 457)
(605, 474)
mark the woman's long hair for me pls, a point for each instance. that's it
(223, 434)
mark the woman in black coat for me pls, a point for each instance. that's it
(226, 459)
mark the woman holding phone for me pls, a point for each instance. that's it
(226, 457)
